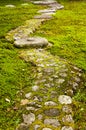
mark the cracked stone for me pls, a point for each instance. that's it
(53, 122)
(63, 99)
(29, 119)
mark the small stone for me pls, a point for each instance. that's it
(67, 118)
(60, 81)
(50, 103)
(63, 99)
(46, 129)
(30, 108)
(23, 126)
(35, 88)
(67, 128)
(24, 102)
(67, 109)
(28, 95)
(40, 117)
(36, 127)
(69, 92)
(52, 112)
(53, 122)
(29, 119)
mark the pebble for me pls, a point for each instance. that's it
(46, 129)
(50, 103)
(36, 127)
(68, 118)
(35, 88)
(28, 95)
(29, 119)
(63, 99)
(66, 109)
(53, 122)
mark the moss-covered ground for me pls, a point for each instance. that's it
(66, 31)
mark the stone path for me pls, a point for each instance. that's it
(49, 103)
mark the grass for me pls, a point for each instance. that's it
(66, 31)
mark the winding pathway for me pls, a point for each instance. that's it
(49, 104)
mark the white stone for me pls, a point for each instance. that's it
(50, 103)
(63, 99)
(29, 119)
(67, 128)
(28, 95)
(35, 88)
(46, 129)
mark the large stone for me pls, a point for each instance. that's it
(29, 119)
(53, 122)
(67, 128)
(63, 99)
(52, 112)
(43, 2)
(36, 42)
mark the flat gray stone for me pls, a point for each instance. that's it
(53, 122)
(63, 99)
(46, 10)
(52, 112)
(43, 16)
(36, 42)
(43, 2)
(29, 119)
(67, 128)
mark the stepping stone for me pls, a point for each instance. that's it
(42, 2)
(36, 42)
(46, 10)
(10, 6)
(43, 16)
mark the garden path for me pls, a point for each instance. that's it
(49, 104)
